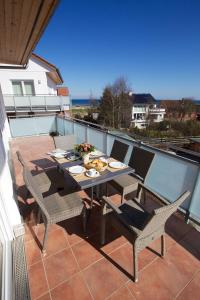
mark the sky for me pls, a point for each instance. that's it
(154, 44)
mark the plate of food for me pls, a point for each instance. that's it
(116, 165)
(76, 170)
(97, 164)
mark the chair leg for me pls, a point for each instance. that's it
(45, 238)
(144, 196)
(122, 197)
(135, 265)
(106, 189)
(84, 220)
(103, 229)
(38, 216)
(163, 245)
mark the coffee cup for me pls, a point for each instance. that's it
(92, 172)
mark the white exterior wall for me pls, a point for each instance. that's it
(35, 71)
(9, 213)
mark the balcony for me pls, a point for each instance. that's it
(39, 103)
(79, 268)
(157, 111)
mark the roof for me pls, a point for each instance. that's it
(22, 23)
(195, 140)
(54, 74)
(142, 99)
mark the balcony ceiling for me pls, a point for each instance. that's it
(22, 23)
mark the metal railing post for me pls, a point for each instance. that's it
(14, 103)
(29, 98)
(45, 103)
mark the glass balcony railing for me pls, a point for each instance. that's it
(35, 103)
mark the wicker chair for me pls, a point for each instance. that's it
(50, 179)
(55, 207)
(65, 142)
(139, 226)
(140, 161)
(119, 150)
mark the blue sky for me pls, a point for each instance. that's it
(155, 44)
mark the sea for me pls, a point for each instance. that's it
(87, 102)
(83, 102)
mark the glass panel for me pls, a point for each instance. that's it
(17, 88)
(29, 88)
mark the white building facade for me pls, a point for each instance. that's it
(36, 79)
(35, 88)
(143, 113)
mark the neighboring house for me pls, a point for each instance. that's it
(145, 108)
(34, 88)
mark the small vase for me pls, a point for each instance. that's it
(86, 158)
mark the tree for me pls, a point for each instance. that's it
(116, 106)
(179, 109)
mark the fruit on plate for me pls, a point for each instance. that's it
(97, 164)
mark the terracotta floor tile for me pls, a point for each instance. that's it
(177, 228)
(103, 279)
(122, 294)
(164, 278)
(113, 240)
(151, 285)
(124, 258)
(156, 245)
(28, 234)
(56, 241)
(33, 253)
(192, 290)
(45, 297)
(37, 280)
(181, 266)
(85, 253)
(74, 289)
(158, 279)
(60, 267)
(192, 238)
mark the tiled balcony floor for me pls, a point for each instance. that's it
(76, 268)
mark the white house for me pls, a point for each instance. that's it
(145, 108)
(36, 87)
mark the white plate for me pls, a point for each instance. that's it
(117, 165)
(60, 151)
(76, 169)
(59, 155)
(96, 153)
(93, 176)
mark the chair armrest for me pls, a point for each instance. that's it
(141, 186)
(110, 204)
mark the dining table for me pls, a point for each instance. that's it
(85, 182)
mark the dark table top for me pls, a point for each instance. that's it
(90, 182)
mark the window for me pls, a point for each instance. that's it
(23, 87)
(17, 88)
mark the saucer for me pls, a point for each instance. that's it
(92, 176)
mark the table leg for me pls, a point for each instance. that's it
(92, 197)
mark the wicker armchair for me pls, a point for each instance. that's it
(119, 150)
(50, 179)
(140, 161)
(54, 208)
(136, 224)
(65, 142)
